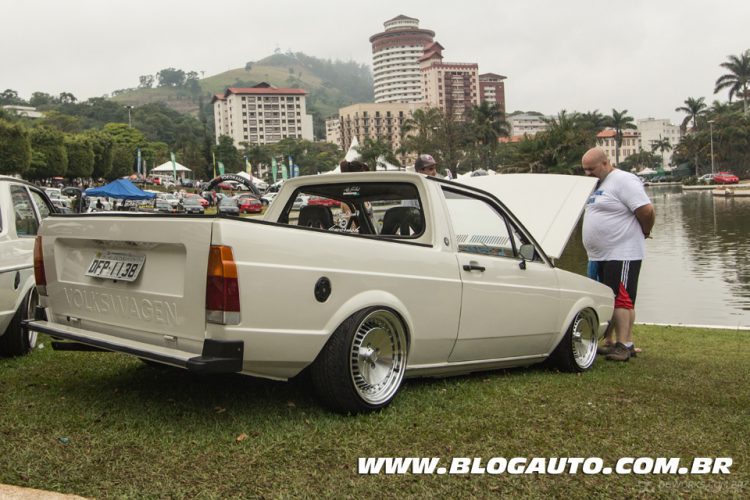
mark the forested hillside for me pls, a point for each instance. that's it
(330, 85)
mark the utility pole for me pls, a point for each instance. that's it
(130, 123)
(711, 127)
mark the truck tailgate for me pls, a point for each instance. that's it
(162, 303)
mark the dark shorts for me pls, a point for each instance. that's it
(621, 276)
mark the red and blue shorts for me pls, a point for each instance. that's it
(622, 277)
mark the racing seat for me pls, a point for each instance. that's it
(315, 216)
(402, 221)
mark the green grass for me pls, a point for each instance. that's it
(106, 425)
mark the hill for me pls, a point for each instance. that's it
(329, 84)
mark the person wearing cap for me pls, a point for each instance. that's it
(426, 165)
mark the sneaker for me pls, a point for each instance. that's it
(619, 353)
(605, 349)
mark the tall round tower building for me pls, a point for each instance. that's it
(395, 60)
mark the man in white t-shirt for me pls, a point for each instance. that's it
(619, 217)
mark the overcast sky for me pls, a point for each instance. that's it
(643, 56)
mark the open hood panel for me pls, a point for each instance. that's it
(548, 205)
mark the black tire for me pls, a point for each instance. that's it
(576, 352)
(15, 341)
(361, 367)
(264, 203)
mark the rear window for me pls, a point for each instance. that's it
(390, 210)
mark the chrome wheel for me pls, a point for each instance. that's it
(377, 358)
(30, 311)
(583, 338)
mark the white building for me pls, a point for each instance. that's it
(526, 124)
(27, 111)
(652, 130)
(631, 143)
(263, 114)
(395, 60)
(333, 130)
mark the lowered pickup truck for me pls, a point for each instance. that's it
(397, 274)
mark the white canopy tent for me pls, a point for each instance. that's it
(260, 184)
(167, 169)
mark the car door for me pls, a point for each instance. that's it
(23, 208)
(509, 305)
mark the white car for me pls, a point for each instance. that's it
(363, 295)
(22, 207)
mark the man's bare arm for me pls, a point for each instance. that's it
(646, 217)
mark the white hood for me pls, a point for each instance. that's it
(548, 205)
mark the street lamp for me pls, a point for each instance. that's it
(130, 123)
(711, 128)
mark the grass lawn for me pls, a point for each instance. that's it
(107, 425)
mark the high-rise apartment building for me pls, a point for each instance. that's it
(262, 114)
(451, 87)
(333, 130)
(492, 89)
(395, 60)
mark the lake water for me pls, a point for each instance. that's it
(697, 266)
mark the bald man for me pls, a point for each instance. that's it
(619, 217)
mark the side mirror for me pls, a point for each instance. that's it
(527, 251)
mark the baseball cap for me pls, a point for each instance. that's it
(424, 161)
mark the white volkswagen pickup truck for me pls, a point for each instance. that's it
(380, 275)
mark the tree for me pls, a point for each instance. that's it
(41, 99)
(619, 120)
(145, 81)
(101, 144)
(80, 151)
(66, 98)
(15, 148)
(10, 96)
(487, 124)
(694, 108)
(737, 79)
(661, 145)
(418, 131)
(50, 144)
(171, 77)
(227, 153)
(372, 149)
(593, 120)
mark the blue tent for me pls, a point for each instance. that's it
(122, 189)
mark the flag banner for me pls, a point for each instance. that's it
(213, 157)
(283, 170)
(274, 169)
(174, 167)
(296, 170)
(249, 167)
(221, 168)
(291, 166)
(138, 166)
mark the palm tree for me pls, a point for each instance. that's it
(662, 145)
(593, 119)
(694, 108)
(619, 120)
(488, 124)
(738, 77)
(417, 132)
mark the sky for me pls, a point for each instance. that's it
(579, 55)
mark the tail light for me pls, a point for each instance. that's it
(39, 275)
(222, 287)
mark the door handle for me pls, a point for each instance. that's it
(473, 266)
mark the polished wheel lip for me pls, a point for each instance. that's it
(377, 357)
(584, 338)
(29, 314)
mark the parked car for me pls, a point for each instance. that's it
(169, 198)
(203, 202)
(300, 201)
(706, 179)
(191, 205)
(22, 208)
(725, 178)
(267, 198)
(464, 282)
(162, 205)
(250, 205)
(322, 201)
(228, 206)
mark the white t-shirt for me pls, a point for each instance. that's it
(610, 229)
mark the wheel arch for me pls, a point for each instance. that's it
(579, 305)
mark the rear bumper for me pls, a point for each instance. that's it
(217, 356)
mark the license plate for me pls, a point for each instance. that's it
(116, 266)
